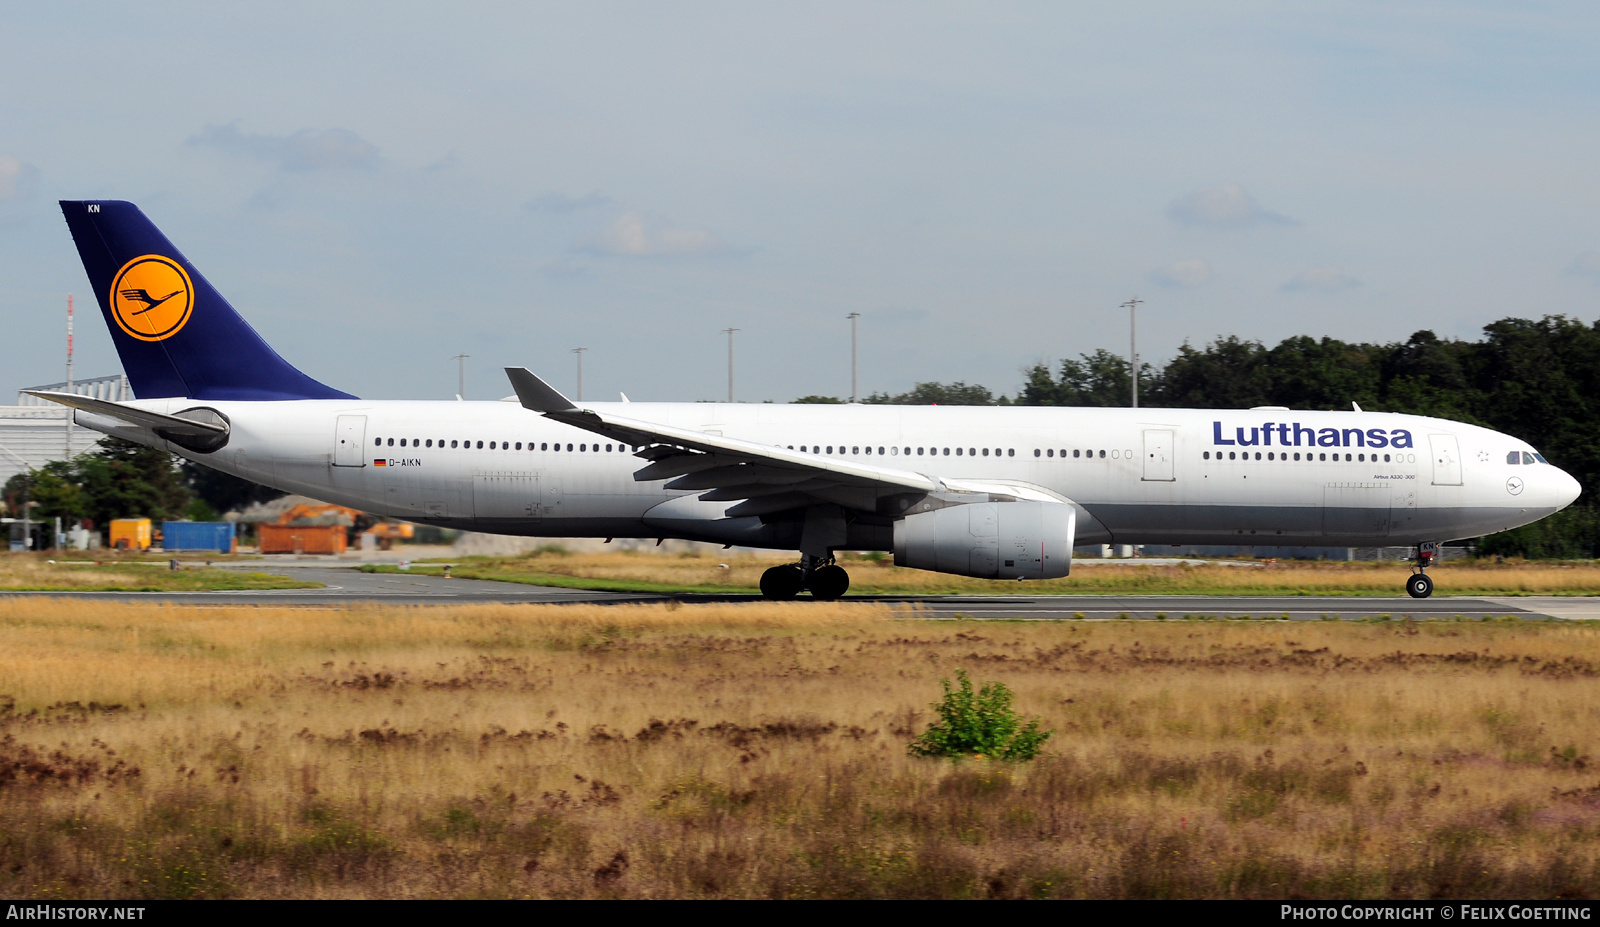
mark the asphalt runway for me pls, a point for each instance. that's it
(343, 586)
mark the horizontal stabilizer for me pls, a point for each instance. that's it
(134, 416)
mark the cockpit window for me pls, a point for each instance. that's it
(1515, 457)
(1540, 458)
(1527, 458)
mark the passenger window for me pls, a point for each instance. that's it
(971, 451)
(855, 450)
(1527, 458)
(1102, 455)
(958, 452)
(1230, 455)
(391, 442)
(583, 447)
(1011, 452)
(569, 447)
(377, 442)
(1206, 455)
(947, 452)
(1036, 453)
(1322, 456)
(543, 445)
(480, 445)
(880, 451)
(1386, 458)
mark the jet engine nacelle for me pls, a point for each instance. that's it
(990, 540)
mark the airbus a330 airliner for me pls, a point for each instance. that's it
(1000, 493)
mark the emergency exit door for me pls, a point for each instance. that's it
(1158, 455)
(350, 441)
(1446, 460)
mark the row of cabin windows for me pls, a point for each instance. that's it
(895, 451)
(1321, 456)
(505, 445)
(815, 448)
(1523, 457)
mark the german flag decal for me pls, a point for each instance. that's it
(380, 463)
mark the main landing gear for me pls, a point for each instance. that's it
(826, 579)
(1420, 585)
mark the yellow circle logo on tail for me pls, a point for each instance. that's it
(152, 298)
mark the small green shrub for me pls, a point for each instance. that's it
(980, 723)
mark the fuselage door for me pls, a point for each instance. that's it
(1158, 455)
(350, 441)
(1446, 460)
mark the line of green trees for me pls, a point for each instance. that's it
(1536, 380)
(126, 480)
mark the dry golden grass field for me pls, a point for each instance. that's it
(726, 573)
(157, 751)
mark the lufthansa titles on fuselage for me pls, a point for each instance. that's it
(1294, 434)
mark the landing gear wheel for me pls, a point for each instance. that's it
(829, 582)
(782, 582)
(1419, 586)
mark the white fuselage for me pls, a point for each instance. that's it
(1138, 476)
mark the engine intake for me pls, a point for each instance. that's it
(989, 540)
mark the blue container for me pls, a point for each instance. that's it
(197, 535)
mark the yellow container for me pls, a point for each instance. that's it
(130, 533)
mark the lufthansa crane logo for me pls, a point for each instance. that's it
(152, 297)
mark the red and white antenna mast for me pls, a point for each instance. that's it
(69, 374)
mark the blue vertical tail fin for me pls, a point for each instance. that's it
(175, 333)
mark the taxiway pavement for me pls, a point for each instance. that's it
(344, 586)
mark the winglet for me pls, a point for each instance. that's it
(535, 394)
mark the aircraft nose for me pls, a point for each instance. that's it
(1566, 489)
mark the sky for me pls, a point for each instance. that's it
(381, 187)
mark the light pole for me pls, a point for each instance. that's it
(579, 352)
(855, 393)
(1132, 306)
(729, 332)
(461, 388)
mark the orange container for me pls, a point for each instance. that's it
(130, 533)
(308, 539)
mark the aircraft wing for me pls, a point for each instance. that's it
(766, 478)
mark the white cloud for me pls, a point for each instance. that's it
(562, 204)
(305, 150)
(1192, 272)
(1320, 280)
(631, 235)
(16, 178)
(1229, 206)
(1586, 264)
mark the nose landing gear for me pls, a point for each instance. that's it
(1420, 585)
(826, 580)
